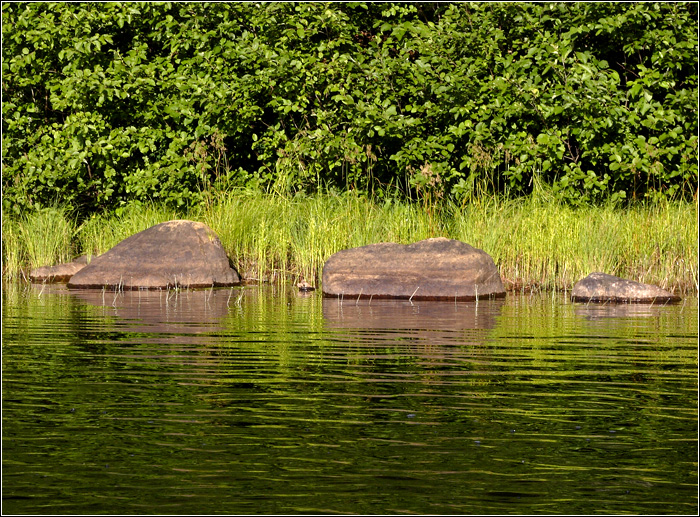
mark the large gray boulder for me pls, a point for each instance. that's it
(59, 272)
(433, 269)
(604, 288)
(172, 254)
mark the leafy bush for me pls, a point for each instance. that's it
(108, 104)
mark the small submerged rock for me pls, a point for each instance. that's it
(604, 288)
(432, 269)
(304, 286)
(58, 273)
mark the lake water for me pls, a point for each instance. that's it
(263, 400)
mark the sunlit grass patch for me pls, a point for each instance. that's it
(99, 233)
(37, 239)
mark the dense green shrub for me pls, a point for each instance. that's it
(110, 103)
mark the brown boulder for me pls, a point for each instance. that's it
(603, 288)
(172, 254)
(59, 272)
(433, 269)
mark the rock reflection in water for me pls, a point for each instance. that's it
(166, 311)
(404, 315)
(444, 337)
(596, 311)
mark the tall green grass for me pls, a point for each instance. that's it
(537, 243)
(273, 237)
(101, 232)
(38, 239)
(541, 244)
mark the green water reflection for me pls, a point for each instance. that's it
(261, 400)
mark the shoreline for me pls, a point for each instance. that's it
(537, 244)
(12, 287)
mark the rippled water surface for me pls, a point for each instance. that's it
(263, 400)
